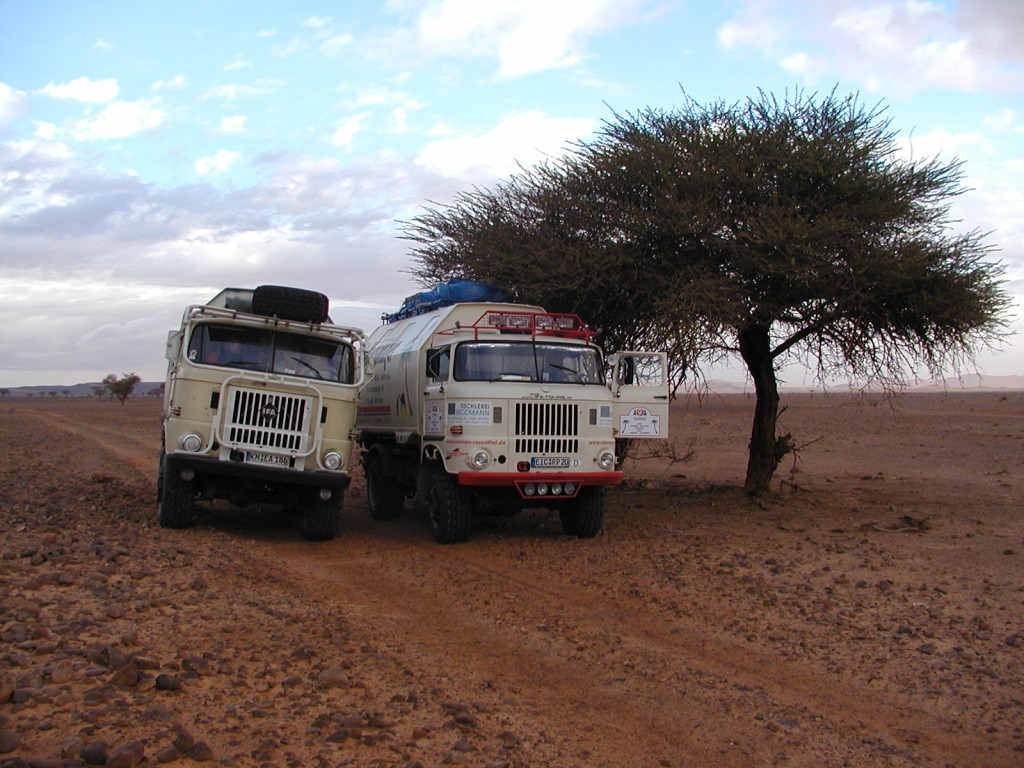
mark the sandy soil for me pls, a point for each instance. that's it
(869, 613)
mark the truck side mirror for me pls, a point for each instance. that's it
(437, 363)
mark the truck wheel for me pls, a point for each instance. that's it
(174, 502)
(584, 515)
(289, 303)
(451, 514)
(322, 519)
(384, 496)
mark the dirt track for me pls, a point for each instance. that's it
(869, 614)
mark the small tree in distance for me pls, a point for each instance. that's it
(121, 388)
(775, 231)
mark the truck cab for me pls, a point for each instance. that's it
(490, 407)
(260, 401)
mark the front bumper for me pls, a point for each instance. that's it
(519, 479)
(205, 465)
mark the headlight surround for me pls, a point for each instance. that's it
(190, 442)
(480, 459)
(332, 460)
(606, 460)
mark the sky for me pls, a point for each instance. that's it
(152, 153)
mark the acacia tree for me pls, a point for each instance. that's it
(778, 231)
(121, 388)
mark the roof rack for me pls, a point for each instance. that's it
(535, 324)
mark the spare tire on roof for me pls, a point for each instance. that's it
(290, 303)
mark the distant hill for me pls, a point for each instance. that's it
(968, 383)
(142, 389)
(973, 381)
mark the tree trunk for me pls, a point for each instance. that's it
(765, 450)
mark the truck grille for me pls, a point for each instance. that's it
(258, 419)
(547, 428)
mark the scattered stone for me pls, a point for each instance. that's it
(166, 755)
(201, 752)
(184, 741)
(126, 677)
(378, 721)
(9, 741)
(127, 756)
(145, 662)
(165, 682)
(333, 677)
(71, 747)
(96, 753)
(19, 605)
(62, 673)
(196, 664)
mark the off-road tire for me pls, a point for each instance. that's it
(174, 501)
(322, 519)
(290, 303)
(384, 496)
(584, 516)
(450, 509)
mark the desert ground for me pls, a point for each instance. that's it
(868, 612)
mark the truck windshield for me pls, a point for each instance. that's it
(523, 361)
(255, 349)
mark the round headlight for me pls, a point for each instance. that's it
(480, 459)
(332, 460)
(542, 489)
(569, 489)
(606, 460)
(556, 489)
(191, 442)
(530, 489)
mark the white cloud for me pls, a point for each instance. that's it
(943, 144)
(46, 131)
(526, 36)
(84, 89)
(216, 163)
(176, 83)
(336, 45)
(521, 139)
(400, 105)
(893, 45)
(238, 63)
(348, 128)
(12, 102)
(233, 91)
(119, 120)
(231, 125)
(1005, 121)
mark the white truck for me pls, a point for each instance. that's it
(259, 404)
(487, 407)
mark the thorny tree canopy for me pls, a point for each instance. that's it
(772, 229)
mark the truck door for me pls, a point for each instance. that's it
(439, 361)
(640, 391)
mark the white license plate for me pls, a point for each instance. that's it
(274, 459)
(550, 461)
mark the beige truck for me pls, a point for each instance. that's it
(488, 407)
(260, 401)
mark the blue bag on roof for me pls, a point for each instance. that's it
(445, 294)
